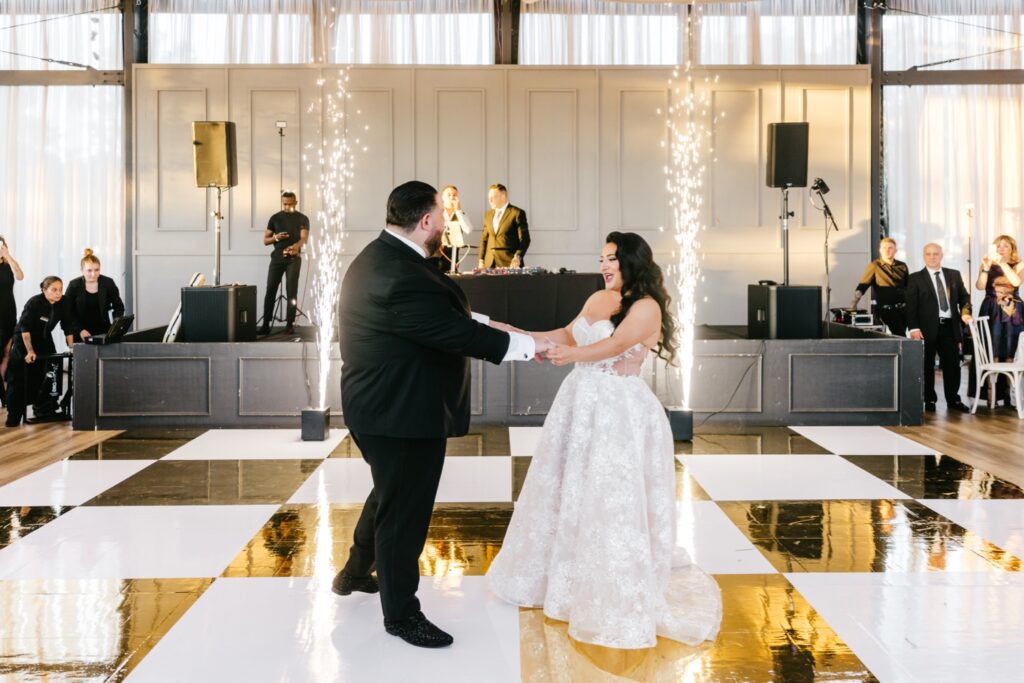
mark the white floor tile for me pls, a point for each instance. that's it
(256, 444)
(934, 627)
(863, 441)
(523, 440)
(784, 477)
(714, 543)
(68, 482)
(1000, 522)
(296, 630)
(135, 542)
(463, 480)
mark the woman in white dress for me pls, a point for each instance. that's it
(592, 538)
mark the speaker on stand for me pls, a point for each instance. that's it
(216, 166)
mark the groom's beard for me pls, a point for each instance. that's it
(433, 244)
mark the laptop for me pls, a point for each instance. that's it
(118, 329)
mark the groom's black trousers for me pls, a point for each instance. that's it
(393, 525)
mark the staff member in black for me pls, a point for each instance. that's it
(406, 336)
(91, 298)
(887, 278)
(937, 301)
(33, 337)
(287, 230)
(10, 272)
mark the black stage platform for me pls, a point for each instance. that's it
(850, 377)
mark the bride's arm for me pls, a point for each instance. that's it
(561, 336)
(642, 321)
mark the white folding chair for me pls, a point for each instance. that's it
(987, 369)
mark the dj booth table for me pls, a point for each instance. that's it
(530, 302)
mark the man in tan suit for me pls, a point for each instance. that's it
(506, 235)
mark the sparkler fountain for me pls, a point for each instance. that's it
(689, 140)
(334, 157)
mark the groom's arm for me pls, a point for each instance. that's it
(427, 317)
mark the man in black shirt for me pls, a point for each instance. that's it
(888, 279)
(287, 230)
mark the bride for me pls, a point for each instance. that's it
(592, 538)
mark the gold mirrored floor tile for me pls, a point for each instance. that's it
(18, 522)
(88, 629)
(481, 440)
(210, 482)
(936, 477)
(520, 466)
(129, 449)
(769, 633)
(307, 540)
(744, 440)
(161, 433)
(863, 536)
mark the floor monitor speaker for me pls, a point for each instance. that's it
(218, 314)
(780, 312)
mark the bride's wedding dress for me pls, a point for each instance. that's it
(592, 538)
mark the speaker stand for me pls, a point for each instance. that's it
(217, 218)
(786, 215)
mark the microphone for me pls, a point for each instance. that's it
(820, 186)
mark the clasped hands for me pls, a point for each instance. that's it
(558, 354)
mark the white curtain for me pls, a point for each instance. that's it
(948, 150)
(62, 171)
(411, 31)
(778, 32)
(66, 30)
(61, 147)
(974, 34)
(231, 31)
(602, 32)
(307, 31)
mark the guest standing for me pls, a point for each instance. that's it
(937, 301)
(506, 234)
(91, 298)
(1000, 278)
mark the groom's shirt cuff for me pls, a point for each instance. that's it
(520, 346)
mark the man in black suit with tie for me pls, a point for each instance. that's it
(936, 303)
(406, 333)
(506, 234)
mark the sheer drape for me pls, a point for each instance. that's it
(986, 34)
(948, 147)
(602, 32)
(89, 38)
(61, 147)
(412, 31)
(337, 31)
(231, 31)
(62, 170)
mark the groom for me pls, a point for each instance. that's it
(406, 336)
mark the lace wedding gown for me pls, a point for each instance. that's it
(592, 538)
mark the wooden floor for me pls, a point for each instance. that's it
(25, 449)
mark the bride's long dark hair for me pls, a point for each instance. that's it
(642, 277)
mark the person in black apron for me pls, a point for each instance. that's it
(33, 338)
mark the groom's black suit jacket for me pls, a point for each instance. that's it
(406, 335)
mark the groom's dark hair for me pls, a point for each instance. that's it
(408, 202)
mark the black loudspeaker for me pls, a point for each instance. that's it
(218, 314)
(213, 150)
(787, 155)
(780, 312)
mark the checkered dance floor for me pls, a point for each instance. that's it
(843, 554)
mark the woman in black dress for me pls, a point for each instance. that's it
(10, 271)
(33, 337)
(91, 298)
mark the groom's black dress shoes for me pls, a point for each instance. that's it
(344, 584)
(417, 630)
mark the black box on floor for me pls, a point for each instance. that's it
(218, 314)
(316, 424)
(783, 312)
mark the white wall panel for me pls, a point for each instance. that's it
(581, 149)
